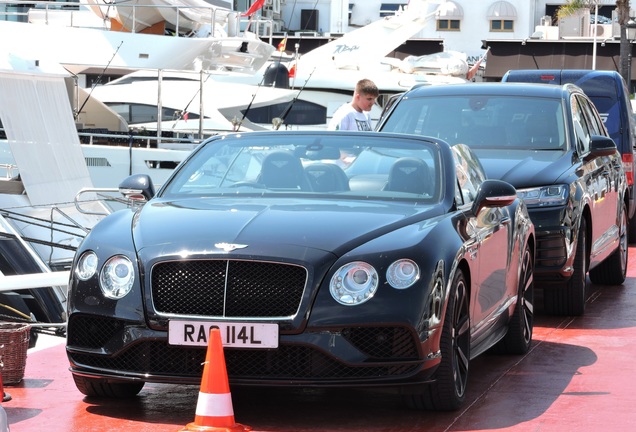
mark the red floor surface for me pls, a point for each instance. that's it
(579, 375)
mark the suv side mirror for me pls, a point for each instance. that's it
(494, 193)
(601, 146)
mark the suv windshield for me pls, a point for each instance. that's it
(483, 121)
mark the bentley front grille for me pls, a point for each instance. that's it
(222, 288)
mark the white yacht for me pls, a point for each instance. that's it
(128, 39)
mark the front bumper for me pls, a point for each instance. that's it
(555, 240)
(350, 356)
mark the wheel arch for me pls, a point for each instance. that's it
(465, 268)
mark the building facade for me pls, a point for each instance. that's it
(461, 24)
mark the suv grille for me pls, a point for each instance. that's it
(227, 288)
(550, 250)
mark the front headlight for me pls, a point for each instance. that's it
(354, 283)
(117, 277)
(402, 273)
(86, 266)
(545, 196)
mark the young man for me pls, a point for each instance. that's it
(355, 115)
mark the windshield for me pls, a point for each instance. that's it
(483, 121)
(327, 165)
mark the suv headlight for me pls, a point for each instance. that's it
(117, 277)
(545, 196)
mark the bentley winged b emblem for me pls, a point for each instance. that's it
(229, 247)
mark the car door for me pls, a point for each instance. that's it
(598, 173)
(489, 252)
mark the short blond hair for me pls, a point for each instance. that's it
(367, 87)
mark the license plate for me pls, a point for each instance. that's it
(242, 335)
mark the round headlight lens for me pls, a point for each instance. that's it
(354, 283)
(86, 266)
(402, 273)
(117, 277)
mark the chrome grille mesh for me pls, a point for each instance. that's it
(225, 288)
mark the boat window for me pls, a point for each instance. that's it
(302, 113)
(390, 9)
(142, 113)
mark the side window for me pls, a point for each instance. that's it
(594, 121)
(408, 116)
(468, 179)
(581, 128)
(459, 198)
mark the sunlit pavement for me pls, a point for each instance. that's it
(579, 375)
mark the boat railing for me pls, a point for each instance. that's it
(108, 195)
(10, 171)
(230, 21)
(139, 139)
(10, 183)
(135, 138)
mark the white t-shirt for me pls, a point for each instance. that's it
(347, 118)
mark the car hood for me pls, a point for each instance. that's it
(268, 226)
(525, 168)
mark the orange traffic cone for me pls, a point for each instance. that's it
(214, 407)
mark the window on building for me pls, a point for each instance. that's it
(497, 25)
(502, 16)
(448, 25)
(449, 16)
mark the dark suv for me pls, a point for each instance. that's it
(608, 91)
(550, 143)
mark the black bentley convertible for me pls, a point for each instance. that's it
(325, 258)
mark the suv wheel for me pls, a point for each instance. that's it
(632, 229)
(613, 270)
(519, 335)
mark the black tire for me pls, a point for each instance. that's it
(95, 387)
(33, 337)
(613, 270)
(519, 335)
(448, 391)
(631, 229)
(568, 299)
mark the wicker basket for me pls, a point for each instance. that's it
(14, 343)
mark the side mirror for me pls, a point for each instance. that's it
(601, 146)
(137, 187)
(494, 193)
